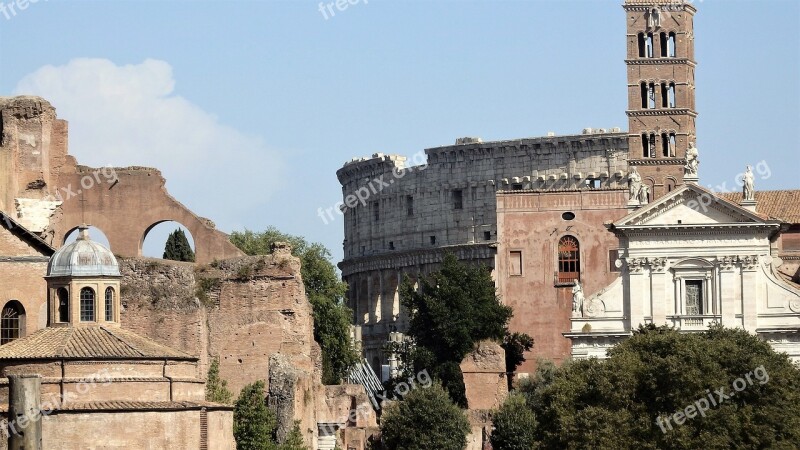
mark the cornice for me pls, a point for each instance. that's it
(397, 260)
(657, 162)
(660, 61)
(661, 112)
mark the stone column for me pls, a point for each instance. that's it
(24, 412)
(729, 292)
(639, 290)
(658, 281)
(750, 293)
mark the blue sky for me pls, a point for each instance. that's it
(270, 98)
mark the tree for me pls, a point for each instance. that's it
(217, 388)
(178, 248)
(253, 423)
(649, 393)
(325, 291)
(454, 308)
(515, 345)
(294, 440)
(426, 419)
(514, 425)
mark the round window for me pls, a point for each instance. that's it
(568, 216)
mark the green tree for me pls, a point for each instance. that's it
(515, 345)
(253, 423)
(178, 248)
(217, 388)
(426, 419)
(294, 440)
(629, 400)
(514, 425)
(454, 308)
(325, 290)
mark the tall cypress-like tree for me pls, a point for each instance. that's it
(253, 423)
(178, 248)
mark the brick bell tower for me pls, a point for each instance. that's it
(661, 100)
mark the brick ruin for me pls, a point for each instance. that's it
(49, 193)
(251, 312)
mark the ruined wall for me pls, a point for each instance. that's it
(43, 187)
(22, 270)
(246, 311)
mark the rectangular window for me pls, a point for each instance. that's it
(613, 256)
(391, 245)
(433, 240)
(487, 235)
(694, 297)
(458, 199)
(376, 211)
(515, 263)
(409, 206)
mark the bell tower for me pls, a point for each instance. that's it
(661, 99)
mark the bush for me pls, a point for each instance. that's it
(426, 419)
(515, 425)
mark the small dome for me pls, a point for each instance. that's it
(83, 258)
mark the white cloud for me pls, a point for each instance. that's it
(128, 115)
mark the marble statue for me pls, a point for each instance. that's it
(634, 184)
(749, 185)
(577, 300)
(692, 161)
(643, 195)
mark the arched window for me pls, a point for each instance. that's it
(63, 304)
(13, 318)
(87, 305)
(109, 304)
(569, 260)
(671, 49)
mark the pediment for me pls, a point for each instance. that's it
(690, 205)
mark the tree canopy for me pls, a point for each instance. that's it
(178, 248)
(253, 423)
(325, 291)
(452, 310)
(651, 390)
(426, 419)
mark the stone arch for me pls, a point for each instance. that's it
(93, 234)
(123, 210)
(190, 237)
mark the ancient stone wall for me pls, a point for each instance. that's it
(49, 193)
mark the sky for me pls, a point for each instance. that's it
(250, 107)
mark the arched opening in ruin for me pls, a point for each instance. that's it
(155, 237)
(96, 234)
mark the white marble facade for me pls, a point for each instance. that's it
(688, 260)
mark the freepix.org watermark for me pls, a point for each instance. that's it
(54, 403)
(329, 9)
(373, 187)
(12, 8)
(713, 399)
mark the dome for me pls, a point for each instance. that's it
(83, 258)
